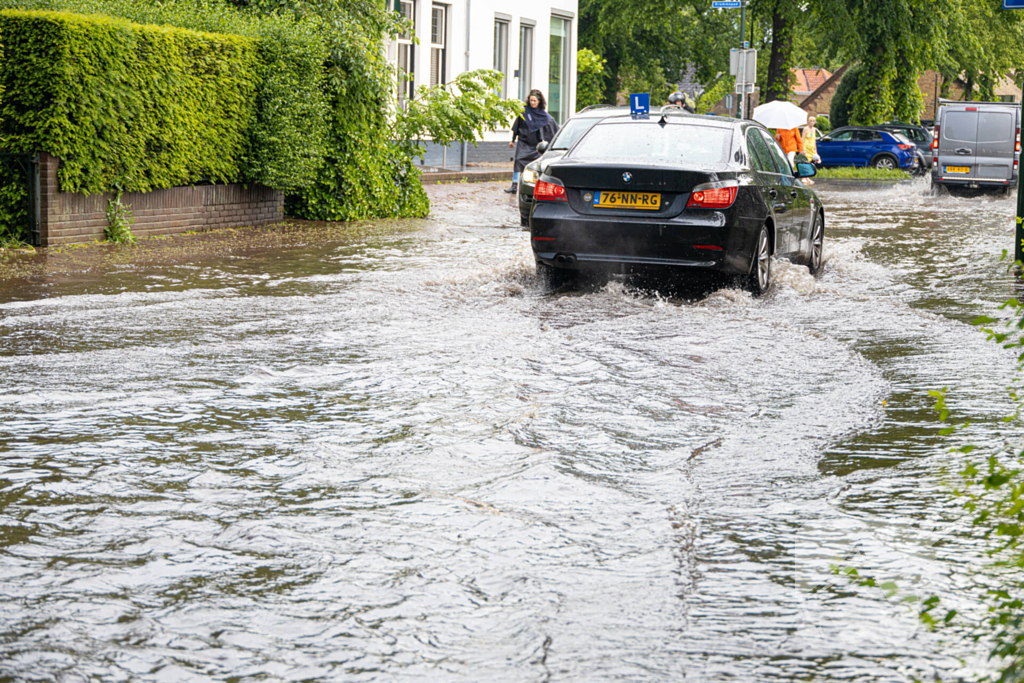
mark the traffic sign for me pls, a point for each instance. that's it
(1013, 4)
(736, 4)
(640, 105)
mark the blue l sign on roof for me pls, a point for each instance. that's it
(735, 4)
(1013, 4)
(640, 105)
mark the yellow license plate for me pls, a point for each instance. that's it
(627, 200)
(958, 169)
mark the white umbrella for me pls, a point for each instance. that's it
(780, 114)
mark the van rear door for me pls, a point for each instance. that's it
(993, 156)
(957, 140)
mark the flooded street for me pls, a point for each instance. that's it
(393, 456)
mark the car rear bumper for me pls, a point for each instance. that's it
(973, 182)
(709, 241)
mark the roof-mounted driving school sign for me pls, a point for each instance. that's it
(640, 105)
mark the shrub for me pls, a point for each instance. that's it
(590, 81)
(286, 138)
(149, 107)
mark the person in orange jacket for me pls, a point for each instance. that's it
(791, 142)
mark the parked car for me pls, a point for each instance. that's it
(919, 135)
(693, 194)
(976, 144)
(578, 124)
(864, 146)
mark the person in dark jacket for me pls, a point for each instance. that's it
(532, 126)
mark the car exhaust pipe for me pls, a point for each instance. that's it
(565, 259)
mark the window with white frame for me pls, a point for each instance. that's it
(438, 44)
(406, 52)
(559, 79)
(525, 59)
(501, 52)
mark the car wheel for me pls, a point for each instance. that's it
(885, 162)
(814, 258)
(760, 278)
(549, 276)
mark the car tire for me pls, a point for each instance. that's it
(817, 250)
(549, 276)
(760, 278)
(886, 162)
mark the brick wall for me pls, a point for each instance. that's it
(67, 217)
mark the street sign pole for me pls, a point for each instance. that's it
(1018, 232)
(743, 31)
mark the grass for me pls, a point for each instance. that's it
(861, 173)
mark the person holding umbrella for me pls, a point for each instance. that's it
(532, 126)
(786, 118)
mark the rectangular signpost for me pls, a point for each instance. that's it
(741, 5)
(1013, 4)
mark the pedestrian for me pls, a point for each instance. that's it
(790, 141)
(530, 128)
(810, 139)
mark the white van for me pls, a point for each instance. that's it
(976, 144)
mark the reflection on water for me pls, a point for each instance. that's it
(399, 458)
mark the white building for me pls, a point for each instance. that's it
(532, 42)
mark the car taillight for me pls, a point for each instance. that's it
(971, 109)
(713, 195)
(1017, 148)
(549, 192)
(935, 138)
(906, 147)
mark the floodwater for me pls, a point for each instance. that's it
(396, 457)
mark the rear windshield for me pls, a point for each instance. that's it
(674, 143)
(961, 126)
(572, 131)
(995, 126)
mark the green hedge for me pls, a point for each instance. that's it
(143, 107)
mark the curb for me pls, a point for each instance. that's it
(858, 182)
(465, 177)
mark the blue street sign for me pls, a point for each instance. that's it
(1013, 4)
(736, 4)
(640, 105)
(746, 44)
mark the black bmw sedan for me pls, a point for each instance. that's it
(682, 192)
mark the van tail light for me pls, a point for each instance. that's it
(1017, 148)
(547, 191)
(906, 147)
(718, 195)
(935, 138)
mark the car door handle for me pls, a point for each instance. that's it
(773, 194)
(793, 194)
(963, 151)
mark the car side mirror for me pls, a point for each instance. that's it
(805, 170)
(542, 146)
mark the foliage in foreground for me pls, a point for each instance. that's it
(990, 485)
(862, 173)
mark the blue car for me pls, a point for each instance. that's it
(861, 146)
